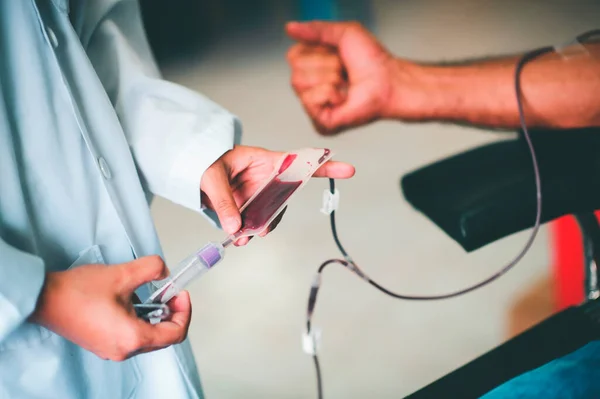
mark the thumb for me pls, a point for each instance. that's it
(215, 184)
(318, 32)
(142, 271)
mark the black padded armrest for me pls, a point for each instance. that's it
(553, 338)
(488, 193)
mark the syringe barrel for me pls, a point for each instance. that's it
(188, 270)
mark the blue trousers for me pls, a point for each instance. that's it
(575, 376)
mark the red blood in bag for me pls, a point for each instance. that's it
(287, 162)
(268, 201)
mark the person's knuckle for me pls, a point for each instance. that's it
(223, 205)
(210, 172)
(156, 261)
(292, 52)
(118, 357)
(314, 80)
(314, 119)
(321, 93)
(123, 276)
(296, 81)
(180, 337)
(313, 112)
(328, 125)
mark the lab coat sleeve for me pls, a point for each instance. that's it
(174, 133)
(21, 279)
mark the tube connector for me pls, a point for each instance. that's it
(354, 268)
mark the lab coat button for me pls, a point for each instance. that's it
(52, 37)
(104, 168)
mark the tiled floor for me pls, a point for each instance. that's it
(249, 312)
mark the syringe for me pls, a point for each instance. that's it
(190, 269)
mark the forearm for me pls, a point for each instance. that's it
(556, 92)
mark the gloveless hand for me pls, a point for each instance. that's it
(344, 77)
(235, 177)
(91, 306)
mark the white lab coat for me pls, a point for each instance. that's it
(89, 132)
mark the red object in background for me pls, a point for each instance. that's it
(567, 257)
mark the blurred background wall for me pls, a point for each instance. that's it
(249, 312)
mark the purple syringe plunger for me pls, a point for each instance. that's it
(211, 255)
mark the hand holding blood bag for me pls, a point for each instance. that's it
(290, 174)
(293, 171)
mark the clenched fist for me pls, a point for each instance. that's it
(344, 77)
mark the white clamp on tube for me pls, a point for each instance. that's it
(331, 201)
(292, 172)
(311, 341)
